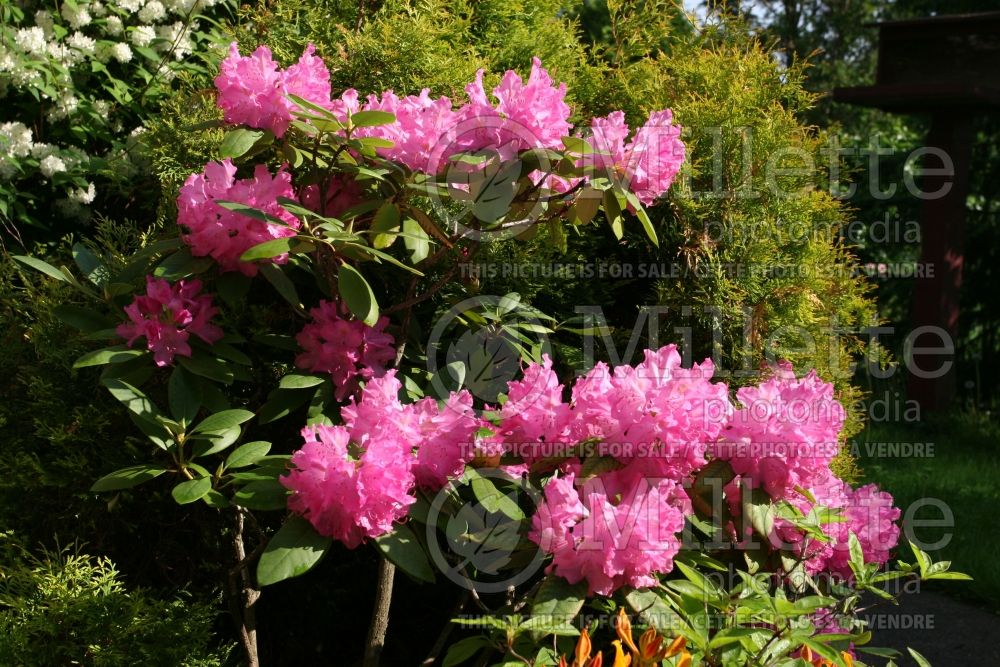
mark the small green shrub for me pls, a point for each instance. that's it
(69, 608)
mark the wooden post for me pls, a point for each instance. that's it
(942, 229)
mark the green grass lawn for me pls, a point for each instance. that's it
(964, 471)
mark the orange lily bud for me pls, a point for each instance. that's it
(848, 658)
(623, 626)
(583, 649)
(806, 654)
(562, 661)
(676, 646)
(649, 646)
(596, 661)
(685, 660)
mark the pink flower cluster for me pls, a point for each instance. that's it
(649, 162)
(167, 315)
(428, 131)
(349, 350)
(785, 433)
(355, 481)
(225, 235)
(656, 418)
(253, 90)
(610, 531)
(868, 513)
(650, 428)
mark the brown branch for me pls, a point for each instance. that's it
(380, 614)
(243, 595)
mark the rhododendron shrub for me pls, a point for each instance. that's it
(278, 359)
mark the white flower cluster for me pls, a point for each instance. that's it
(17, 142)
(40, 54)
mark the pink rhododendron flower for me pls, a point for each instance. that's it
(607, 539)
(167, 315)
(868, 513)
(447, 439)
(785, 435)
(439, 439)
(346, 498)
(648, 163)
(253, 90)
(535, 412)
(527, 115)
(657, 416)
(349, 350)
(225, 235)
(422, 123)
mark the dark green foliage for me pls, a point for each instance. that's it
(70, 608)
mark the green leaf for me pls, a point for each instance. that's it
(386, 220)
(282, 283)
(237, 142)
(44, 267)
(647, 224)
(262, 495)
(251, 212)
(559, 600)
(493, 500)
(181, 264)
(578, 145)
(191, 490)
(655, 611)
(372, 118)
(357, 294)
(613, 212)
(918, 658)
(268, 249)
(548, 626)
(213, 442)
(280, 403)
(296, 381)
(403, 549)
(208, 367)
(221, 421)
(133, 399)
(183, 395)
(126, 478)
(416, 240)
(464, 650)
(90, 264)
(248, 454)
(83, 319)
(115, 354)
(760, 511)
(293, 550)
(952, 576)
(923, 560)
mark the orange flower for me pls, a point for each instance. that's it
(583, 649)
(621, 660)
(623, 626)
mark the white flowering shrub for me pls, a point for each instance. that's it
(77, 79)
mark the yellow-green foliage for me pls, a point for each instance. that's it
(72, 609)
